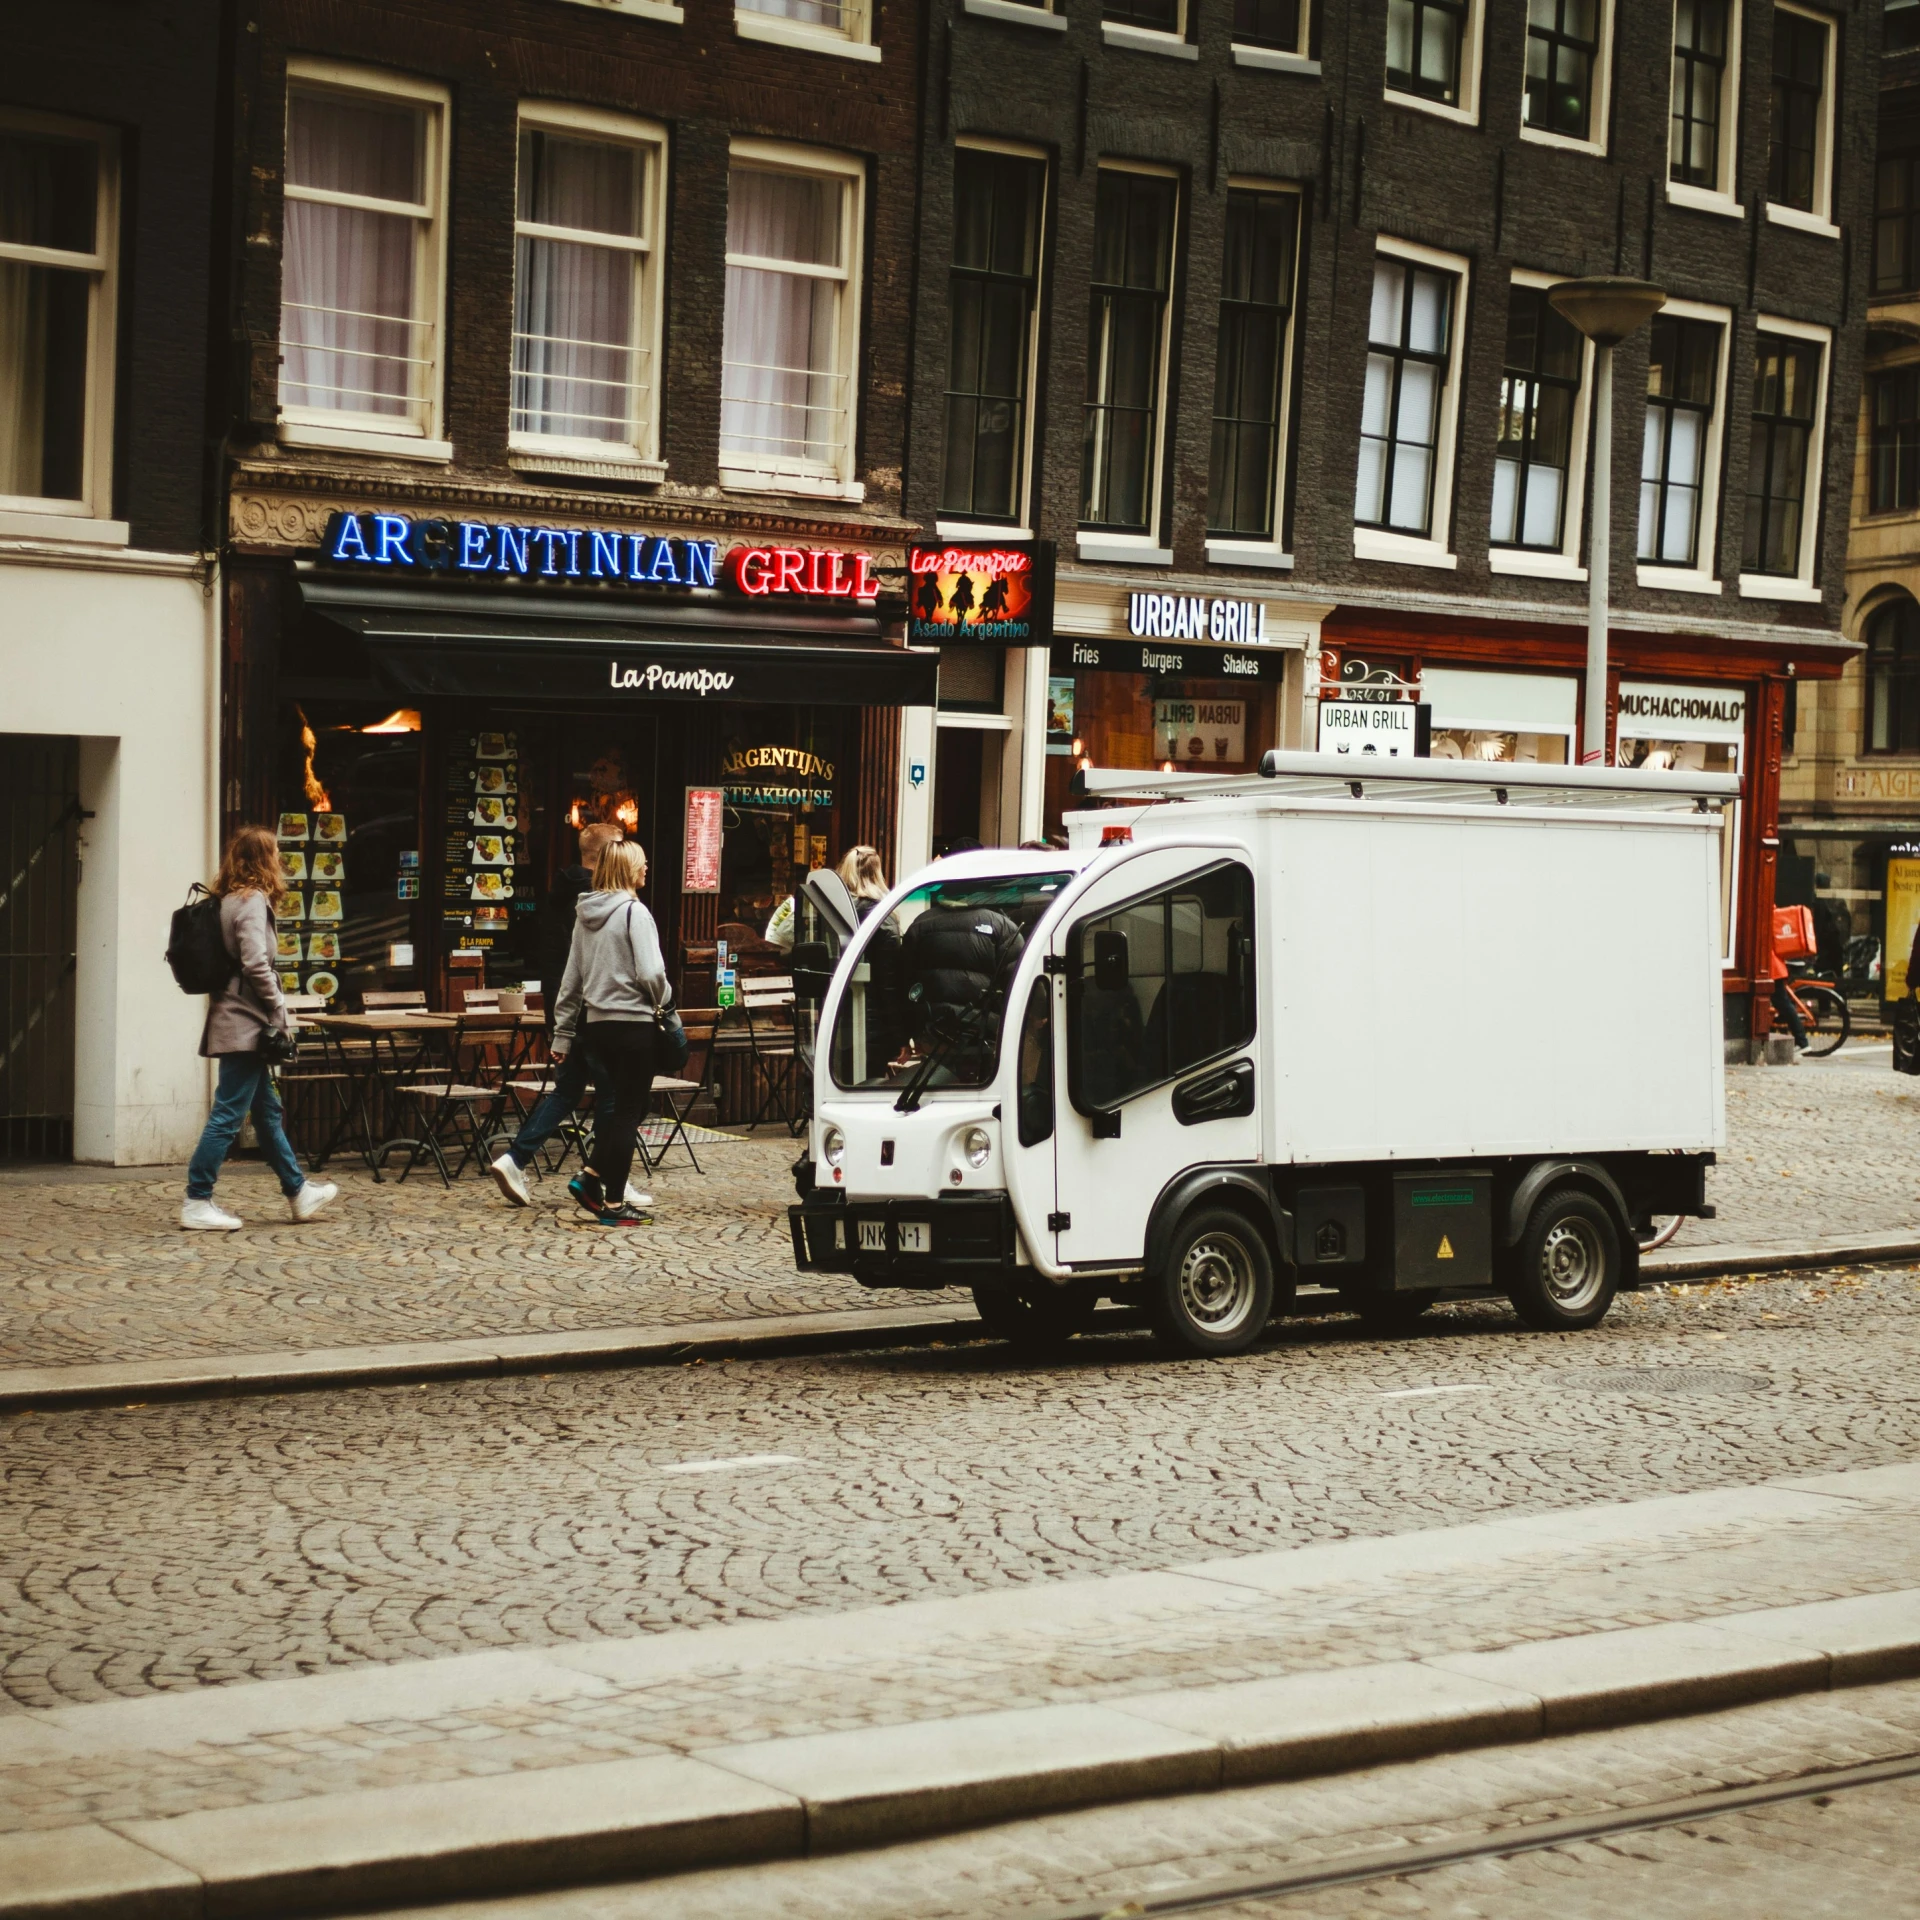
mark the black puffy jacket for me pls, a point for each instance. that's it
(962, 959)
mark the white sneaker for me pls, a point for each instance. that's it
(311, 1198)
(207, 1217)
(511, 1179)
(637, 1196)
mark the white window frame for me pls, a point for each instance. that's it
(661, 10)
(1170, 46)
(638, 458)
(1295, 59)
(1799, 585)
(1017, 13)
(1601, 102)
(89, 517)
(959, 529)
(421, 436)
(853, 41)
(1144, 549)
(1468, 111)
(1820, 219)
(1272, 553)
(1436, 549)
(1701, 577)
(833, 479)
(1722, 199)
(1543, 563)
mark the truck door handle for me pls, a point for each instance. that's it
(1224, 1094)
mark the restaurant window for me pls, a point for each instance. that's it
(1126, 349)
(1893, 677)
(585, 325)
(1786, 405)
(1701, 62)
(1801, 136)
(1539, 397)
(993, 303)
(839, 26)
(1896, 223)
(1250, 364)
(1680, 438)
(792, 321)
(1279, 25)
(1432, 51)
(360, 288)
(1406, 427)
(57, 321)
(1566, 54)
(1893, 468)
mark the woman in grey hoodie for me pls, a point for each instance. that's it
(611, 999)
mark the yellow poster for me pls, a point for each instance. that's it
(1903, 913)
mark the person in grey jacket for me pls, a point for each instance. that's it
(614, 991)
(249, 1006)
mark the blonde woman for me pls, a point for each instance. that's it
(861, 873)
(249, 886)
(611, 1000)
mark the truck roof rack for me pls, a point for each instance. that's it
(1304, 776)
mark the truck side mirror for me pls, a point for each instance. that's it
(1110, 965)
(812, 970)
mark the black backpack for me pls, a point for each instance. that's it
(196, 950)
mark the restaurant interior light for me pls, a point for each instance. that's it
(400, 720)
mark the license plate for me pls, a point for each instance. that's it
(873, 1236)
(916, 1236)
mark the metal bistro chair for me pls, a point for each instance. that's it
(766, 1006)
(449, 1101)
(678, 1092)
(321, 1069)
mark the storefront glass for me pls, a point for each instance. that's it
(1508, 718)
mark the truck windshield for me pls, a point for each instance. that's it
(929, 986)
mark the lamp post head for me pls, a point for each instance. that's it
(1607, 309)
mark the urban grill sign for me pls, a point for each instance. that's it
(1193, 616)
(1002, 596)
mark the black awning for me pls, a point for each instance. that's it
(486, 650)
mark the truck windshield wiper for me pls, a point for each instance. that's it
(909, 1101)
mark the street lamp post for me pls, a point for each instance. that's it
(1606, 310)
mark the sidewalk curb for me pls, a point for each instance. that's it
(821, 1793)
(839, 1330)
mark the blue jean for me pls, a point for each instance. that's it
(569, 1089)
(245, 1085)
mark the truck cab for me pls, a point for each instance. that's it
(1062, 1077)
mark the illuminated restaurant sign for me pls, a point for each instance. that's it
(803, 573)
(1002, 596)
(1197, 616)
(394, 543)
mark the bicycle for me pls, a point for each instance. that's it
(1823, 1007)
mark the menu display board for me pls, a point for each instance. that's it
(312, 912)
(706, 820)
(486, 873)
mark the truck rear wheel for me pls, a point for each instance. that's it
(1568, 1263)
(1215, 1293)
(1042, 1321)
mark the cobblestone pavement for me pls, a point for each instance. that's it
(92, 1267)
(180, 1545)
(1849, 1854)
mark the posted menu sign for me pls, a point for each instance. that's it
(1387, 729)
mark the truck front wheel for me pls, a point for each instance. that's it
(1568, 1263)
(1215, 1292)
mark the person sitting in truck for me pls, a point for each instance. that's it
(957, 960)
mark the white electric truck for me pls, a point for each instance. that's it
(1400, 1029)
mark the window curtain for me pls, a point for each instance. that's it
(348, 338)
(812, 13)
(780, 396)
(577, 370)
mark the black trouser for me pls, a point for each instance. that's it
(623, 1056)
(1785, 1006)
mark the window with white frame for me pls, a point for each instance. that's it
(1154, 16)
(827, 26)
(1133, 224)
(1800, 139)
(1680, 448)
(792, 320)
(360, 287)
(1406, 421)
(1705, 97)
(1783, 463)
(993, 310)
(1535, 477)
(1433, 54)
(585, 273)
(57, 249)
(1278, 25)
(1252, 356)
(1567, 61)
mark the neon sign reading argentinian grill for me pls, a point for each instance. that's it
(392, 542)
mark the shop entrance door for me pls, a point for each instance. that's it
(39, 886)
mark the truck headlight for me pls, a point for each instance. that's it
(833, 1146)
(977, 1144)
